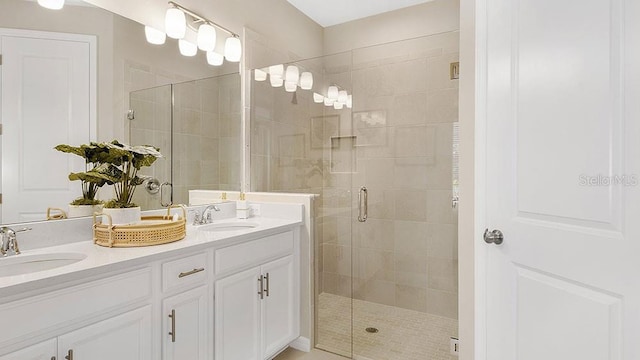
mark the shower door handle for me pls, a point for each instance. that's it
(363, 196)
(170, 185)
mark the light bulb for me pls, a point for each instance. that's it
(187, 48)
(292, 75)
(290, 86)
(338, 105)
(214, 59)
(154, 36)
(276, 71)
(52, 4)
(350, 101)
(206, 37)
(276, 81)
(259, 75)
(342, 96)
(306, 80)
(175, 23)
(317, 98)
(332, 93)
(233, 49)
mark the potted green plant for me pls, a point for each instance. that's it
(119, 167)
(88, 203)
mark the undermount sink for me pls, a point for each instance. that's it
(228, 226)
(26, 263)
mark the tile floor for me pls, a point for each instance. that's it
(403, 334)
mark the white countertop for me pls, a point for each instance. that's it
(101, 260)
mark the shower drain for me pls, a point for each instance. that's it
(371, 330)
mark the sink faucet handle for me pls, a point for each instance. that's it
(9, 240)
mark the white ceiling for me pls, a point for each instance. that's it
(333, 12)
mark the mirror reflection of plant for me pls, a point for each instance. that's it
(119, 165)
(90, 183)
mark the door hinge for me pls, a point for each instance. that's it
(0, 198)
(0, 129)
(0, 59)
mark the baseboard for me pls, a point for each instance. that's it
(301, 344)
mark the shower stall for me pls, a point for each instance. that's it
(384, 165)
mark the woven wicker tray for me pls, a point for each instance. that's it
(152, 230)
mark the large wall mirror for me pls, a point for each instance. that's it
(71, 76)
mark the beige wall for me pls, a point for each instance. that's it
(426, 19)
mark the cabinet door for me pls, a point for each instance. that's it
(126, 336)
(185, 318)
(45, 350)
(237, 316)
(280, 308)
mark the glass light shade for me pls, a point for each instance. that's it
(187, 48)
(154, 36)
(328, 102)
(276, 81)
(338, 105)
(175, 23)
(206, 37)
(306, 80)
(292, 75)
(350, 101)
(52, 4)
(290, 86)
(342, 96)
(276, 71)
(317, 98)
(214, 59)
(233, 49)
(259, 75)
(332, 93)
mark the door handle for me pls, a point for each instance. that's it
(363, 196)
(493, 237)
(261, 292)
(69, 355)
(170, 185)
(173, 325)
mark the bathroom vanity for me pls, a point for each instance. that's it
(229, 290)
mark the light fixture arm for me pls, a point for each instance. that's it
(200, 18)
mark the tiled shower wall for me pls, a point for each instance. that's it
(206, 132)
(396, 141)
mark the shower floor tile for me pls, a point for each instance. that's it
(402, 334)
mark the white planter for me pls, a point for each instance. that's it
(126, 216)
(83, 210)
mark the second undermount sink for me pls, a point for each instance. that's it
(30, 263)
(228, 226)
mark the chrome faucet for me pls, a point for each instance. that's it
(205, 217)
(9, 240)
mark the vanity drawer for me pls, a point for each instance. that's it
(184, 272)
(254, 252)
(49, 311)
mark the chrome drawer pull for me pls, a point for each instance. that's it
(187, 273)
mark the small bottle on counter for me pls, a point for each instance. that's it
(242, 208)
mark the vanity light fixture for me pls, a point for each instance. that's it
(214, 59)
(51, 4)
(180, 22)
(187, 48)
(259, 75)
(154, 36)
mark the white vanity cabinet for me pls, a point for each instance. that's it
(121, 334)
(45, 350)
(185, 313)
(257, 309)
(127, 336)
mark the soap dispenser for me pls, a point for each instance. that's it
(242, 207)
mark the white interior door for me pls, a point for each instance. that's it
(48, 98)
(562, 174)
